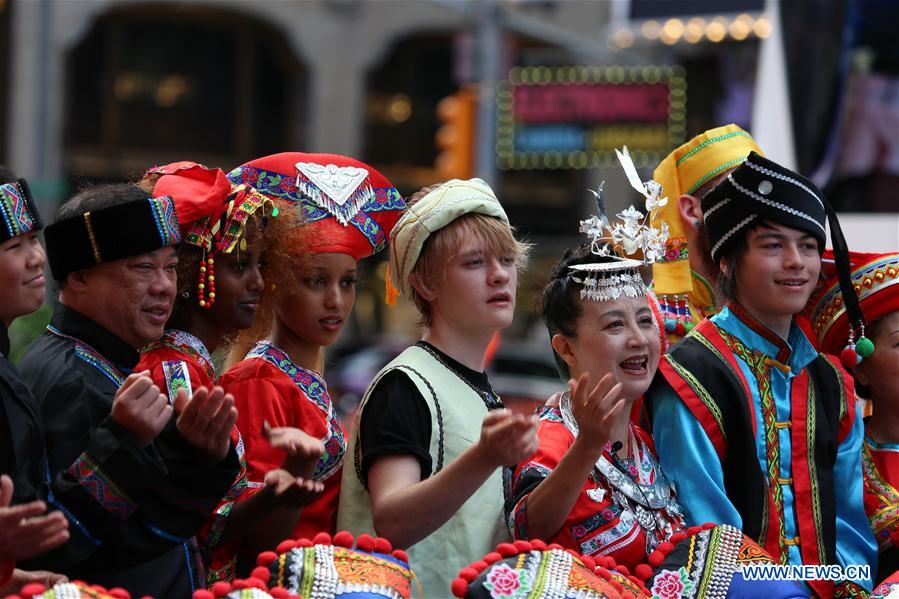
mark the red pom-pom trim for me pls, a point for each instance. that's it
(644, 571)
(603, 573)
(506, 549)
(522, 546)
(401, 555)
(492, 557)
(343, 539)
(677, 538)
(304, 543)
(588, 561)
(468, 574)
(693, 530)
(279, 593)
(265, 558)
(665, 547)
(321, 538)
(241, 584)
(285, 546)
(220, 589)
(119, 593)
(459, 587)
(554, 546)
(656, 558)
(203, 594)
(261, 574)
(624, 570)
(849, 357)
(480, 565)
(365, 542)
(32, 588)
(538, 545)
(708, 525)
(382, 545)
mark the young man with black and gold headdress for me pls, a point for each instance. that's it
(758, 429)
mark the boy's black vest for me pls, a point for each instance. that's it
(704, 372)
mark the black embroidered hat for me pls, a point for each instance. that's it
(18, 212)
(757, 190)
(109, 234)
(760, 189)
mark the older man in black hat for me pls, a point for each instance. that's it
(758, 429)
(111, 250)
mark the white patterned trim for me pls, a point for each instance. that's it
(730, 233)
(776, 175)
(774, 204)
(709, 212)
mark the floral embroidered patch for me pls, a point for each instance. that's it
(507, 583)
(671, 584)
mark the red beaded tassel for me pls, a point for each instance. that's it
(207, 277)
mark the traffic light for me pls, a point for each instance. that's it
(456, 135)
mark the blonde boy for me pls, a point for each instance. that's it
(432, 435)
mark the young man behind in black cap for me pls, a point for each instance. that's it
(758, 429)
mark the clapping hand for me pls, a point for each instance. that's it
(595, 409)
(508, 438)
(206, 420)
(140, 407)
(26, 530)
(303, 450)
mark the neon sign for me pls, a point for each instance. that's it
(574, 117)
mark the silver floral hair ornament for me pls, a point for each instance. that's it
(633, 235)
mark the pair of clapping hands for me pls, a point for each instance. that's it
(205, 421)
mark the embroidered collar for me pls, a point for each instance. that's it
(4, 340)
(796, 353)
(188, 344)
(313, 388)
(70, 323)
(310, 382)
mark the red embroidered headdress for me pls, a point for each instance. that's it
(212, 212)
(875, 278)
(348, 206)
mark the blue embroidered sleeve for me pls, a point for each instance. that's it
(855, 542)
(689, 459)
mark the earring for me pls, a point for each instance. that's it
(206, 264)
(185, 294)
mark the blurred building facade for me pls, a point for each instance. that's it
(97, 90)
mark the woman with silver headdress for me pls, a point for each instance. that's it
(595, 484)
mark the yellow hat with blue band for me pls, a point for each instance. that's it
(682, 172)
